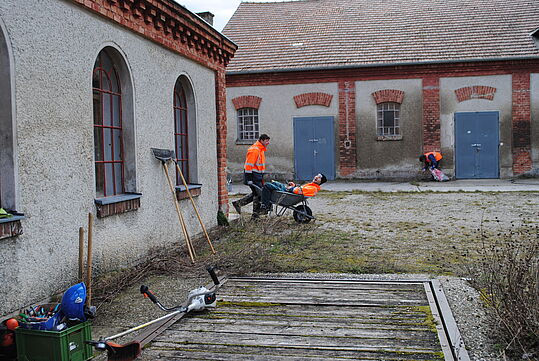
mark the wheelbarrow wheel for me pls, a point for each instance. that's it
(299, 214)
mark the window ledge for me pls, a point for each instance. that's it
(11, 226)
(245, 141)
(108, 206)
(389, 137)
(194, 188)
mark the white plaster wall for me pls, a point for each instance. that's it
(501, 103)
(55, 44)
(388, 158)
(534, 89)
(276, 114)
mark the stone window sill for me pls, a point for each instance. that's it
(194, 188)
(108, 206)
(388, 137)
(11, 227)
(245, 141)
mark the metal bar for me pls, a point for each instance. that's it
(455, 340)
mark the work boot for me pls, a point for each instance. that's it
(265, 209)
(237, 207)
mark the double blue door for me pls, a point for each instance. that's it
(314, 147)
(476, 145)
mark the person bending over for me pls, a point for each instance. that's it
(431, 160)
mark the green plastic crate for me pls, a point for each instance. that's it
(65, 345)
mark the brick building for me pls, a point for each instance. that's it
(359, 89)
(87, 88)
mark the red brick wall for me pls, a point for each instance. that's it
(347, 129)
(431, 114)
(247, 101)
(475, 92)
(168, 25)
(388, 95)
(305, 99)
(220, 92)
(522, 160)
(10, 229)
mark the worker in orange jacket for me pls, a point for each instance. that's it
(431, 160)
(308, 190)
(253, 173)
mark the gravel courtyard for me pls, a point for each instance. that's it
(357, 234)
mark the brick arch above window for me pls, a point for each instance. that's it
(247, 101)
(388, 96)
(475, 92)
(305, 99)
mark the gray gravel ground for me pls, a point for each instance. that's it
(448, 219)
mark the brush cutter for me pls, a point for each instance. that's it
(197, 300)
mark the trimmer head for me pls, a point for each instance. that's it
(127, 352)
(164, 155)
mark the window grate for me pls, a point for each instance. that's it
(388, 119)
(248, 125)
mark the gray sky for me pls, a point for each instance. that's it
(222, 9)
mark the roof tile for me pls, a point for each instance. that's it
(327, 33)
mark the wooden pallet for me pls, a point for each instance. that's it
(293, 319)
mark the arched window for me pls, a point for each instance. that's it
(181, 132)
(184, 130)
(248, 128)
(388, 119)
(7, 128)
(108, 127)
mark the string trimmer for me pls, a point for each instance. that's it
(197, 300)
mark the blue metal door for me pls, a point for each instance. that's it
(476, 145)
(314, 147)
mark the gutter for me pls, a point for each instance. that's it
(377, 65)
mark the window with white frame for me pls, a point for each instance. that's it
(248, 124)
(388, 119)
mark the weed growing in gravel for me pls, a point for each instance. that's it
(507, 276)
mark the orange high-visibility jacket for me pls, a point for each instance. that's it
(255, 161)
(436, 155)
(308, 190)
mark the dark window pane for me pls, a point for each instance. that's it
(99, 180)
(109, 190)
(118, 177)
(117, 144)
(389, 118)
(98, 144)
(107, 139)
(98, 110)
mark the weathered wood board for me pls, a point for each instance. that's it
(266, 319)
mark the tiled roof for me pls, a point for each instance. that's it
(332, 33)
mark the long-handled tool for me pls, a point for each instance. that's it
(89, 259)
(193, 203)
(164, 156)
(197, 300)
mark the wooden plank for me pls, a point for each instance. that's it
(166, 351)
(411, 324)
(313, 330)
(306, 320)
